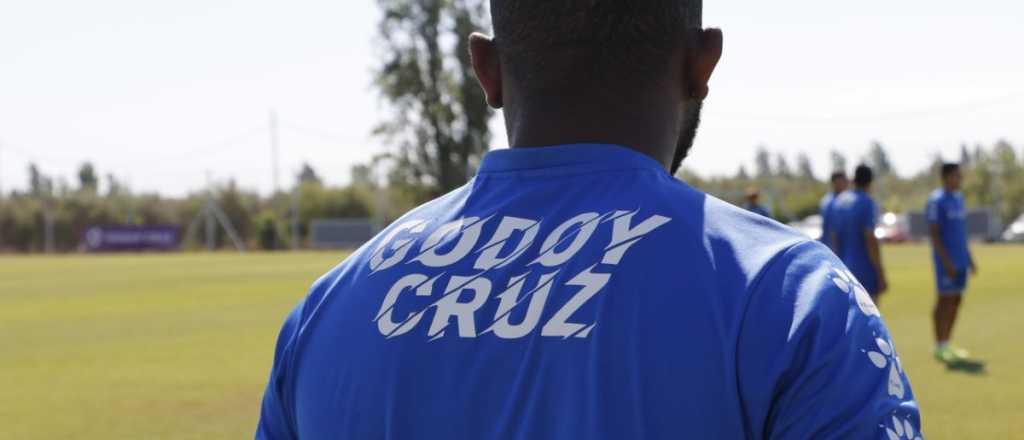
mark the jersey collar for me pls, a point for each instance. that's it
(570, 156)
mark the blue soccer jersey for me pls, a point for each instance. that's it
(825, 210)
(856, 214)
(946, 210)
(581, 292)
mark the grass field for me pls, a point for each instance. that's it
(178, 346)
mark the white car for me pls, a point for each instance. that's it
(810, 226)
(1016, 230)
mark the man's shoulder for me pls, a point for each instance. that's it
(828, 198)
(752, 236)
(937, 195)
(846, 198)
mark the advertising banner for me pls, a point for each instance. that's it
(131, 238)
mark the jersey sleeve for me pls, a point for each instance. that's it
(275, 420)
(814, 358)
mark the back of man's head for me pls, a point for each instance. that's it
(948, 169)
(863, 176)
(838, 180)
(599, 45)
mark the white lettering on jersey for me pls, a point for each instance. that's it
(558, 325)
(466, 294)
(489, 255)
(400, 247)
(550, 256)
(388, 326)
(449, 306)
(624, 236)
(469, 232)
(511, 298)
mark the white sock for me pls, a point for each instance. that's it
(941, 345)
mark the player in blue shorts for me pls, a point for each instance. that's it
(951, 257)
(857, 215)
(574, 289)
(826, 208)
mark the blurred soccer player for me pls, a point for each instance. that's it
(754, 202)
(574, 289)
(826, 208)
(857, 215)
(951, 256)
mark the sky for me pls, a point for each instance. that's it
(170, 95)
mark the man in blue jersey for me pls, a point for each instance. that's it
(574, 289)
(839, 184)
(857, 215)
(947, 228)
(754, 202)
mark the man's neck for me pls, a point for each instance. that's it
(646, 128)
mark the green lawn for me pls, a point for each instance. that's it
(178, 346)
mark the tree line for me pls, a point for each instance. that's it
(993, 178)
(66, 210)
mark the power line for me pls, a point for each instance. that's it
(222, 144)
(317, 133)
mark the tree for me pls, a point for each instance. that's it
(763, 162)
(88, 182)
(804, 167)
(308, 175)
(965, 156)
(782, 168)
(269, 231)
(236, 208)
(742, 174)
(838, 161)
(38, 183)
(438, 126)
(1010, 175)
(362, 175)
(114, 186)
(878, 159)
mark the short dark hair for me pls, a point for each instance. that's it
(836, 175)
(863, 175)
(949, 168)
(545, 44)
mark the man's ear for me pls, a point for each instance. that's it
(487, 66)
(702, 61)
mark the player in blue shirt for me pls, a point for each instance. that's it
(754, 202)
(574, 289)
(951, 257)
(857, 215)
(839, 184)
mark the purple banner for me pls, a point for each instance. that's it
(131, 238)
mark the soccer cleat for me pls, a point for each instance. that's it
(960, 353)
(950, 355)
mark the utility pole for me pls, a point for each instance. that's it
(274, 151)
(211, 227)
(212, 214)
(275, 148)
